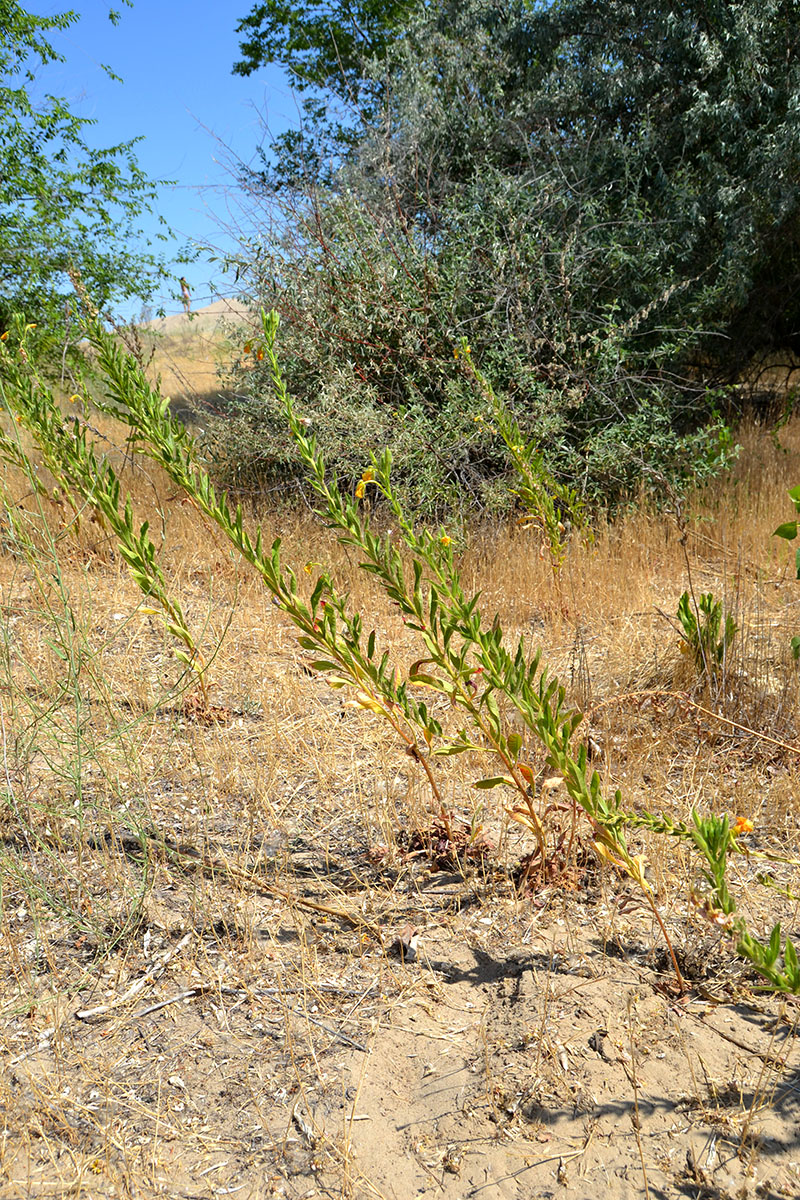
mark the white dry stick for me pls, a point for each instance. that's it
(84, 1014)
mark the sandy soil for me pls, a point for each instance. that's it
(532, 1048)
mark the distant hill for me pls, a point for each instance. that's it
(202, 319)
(190, 351)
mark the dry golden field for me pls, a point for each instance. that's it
(206, 908)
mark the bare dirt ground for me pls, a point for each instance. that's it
(239, 958)
(527, 1051)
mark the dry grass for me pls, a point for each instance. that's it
(189, 353)
(199, 908)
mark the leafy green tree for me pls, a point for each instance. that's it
(599, 195)
(675, 122)
(321, 45)
(325, 50)
(64, 205)
(691, 109)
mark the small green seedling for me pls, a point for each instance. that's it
(707, 630)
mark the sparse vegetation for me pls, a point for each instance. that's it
(707, 629)
(390, 842)
(266, 851)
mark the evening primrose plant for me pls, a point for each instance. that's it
(489, 699)
(493, 689)
(86, 482)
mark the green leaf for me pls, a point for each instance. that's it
(319, 588)
(774, 945)
(788, 531)
(495, 781)
(179, 631)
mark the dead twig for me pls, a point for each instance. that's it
(84, 1014)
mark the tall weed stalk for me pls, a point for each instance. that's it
(85, 481)
(548, 504)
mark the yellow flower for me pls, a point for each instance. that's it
(445, 540)
(743, 825)
(361, 487)
(368, 475)
(4, 336)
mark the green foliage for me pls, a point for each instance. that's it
(788, 531)
(714, 838)
(323, 48)
(372, 316)
(369, 347)
(675, 122)
(321, 45)
(604, 232)
(708, 631)
(65, 204)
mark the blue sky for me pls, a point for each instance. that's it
(178, 94)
